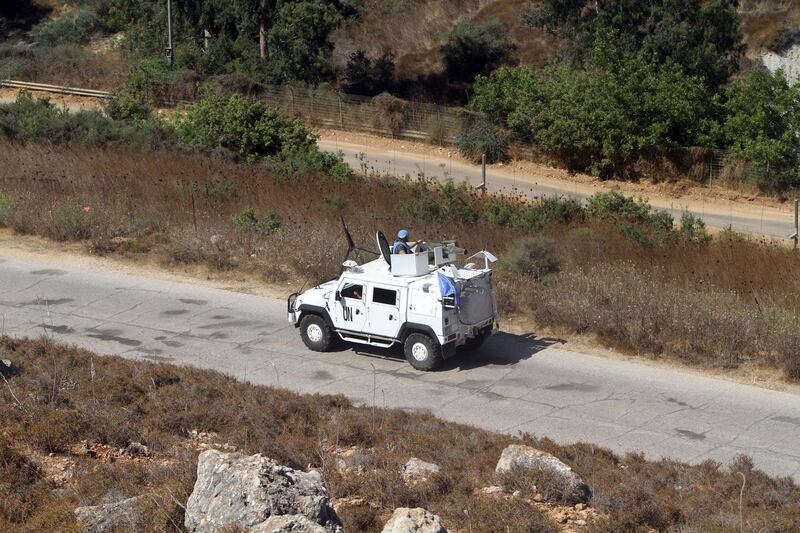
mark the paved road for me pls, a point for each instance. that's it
(515, 383)
(771, 224)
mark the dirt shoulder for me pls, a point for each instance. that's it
(709, 198)
(75, 255)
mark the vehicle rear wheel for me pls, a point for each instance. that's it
(316, 333)
(422, 352)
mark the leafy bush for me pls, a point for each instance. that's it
(247, 127)
(248, 222)
(507, 93)
(475, 48)
(27, 119)
(71, 222)
(69, 28)
(5, 207)
(693, 229)
(602, 117)
(480, 138)
(761, 125)
(126, 106)
(440, 202)
(297, 162)
(616, 204)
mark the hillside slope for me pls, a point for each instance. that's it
(415, 29)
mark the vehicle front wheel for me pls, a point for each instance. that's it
(422, 352)
(316, 334)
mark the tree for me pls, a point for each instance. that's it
(363, 76)
(702, 36)
(763, 125)
(475, 48)
(602, 116)
(298, 42)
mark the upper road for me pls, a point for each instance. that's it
(514, 383)
(769, 222)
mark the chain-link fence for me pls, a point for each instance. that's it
(383, 115)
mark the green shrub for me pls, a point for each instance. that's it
(71, 222)
(440, 201)
(498, 211)
(297, 162)
(244, 126)
(147, 82)
(126, 106)
(693, 229)
(617, 205)
(69, 28)
(483, 138)
(762, 120)
(32, 120)
(247, 221)
(5, 208)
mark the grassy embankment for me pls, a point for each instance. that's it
(63, 397)
(616, 268)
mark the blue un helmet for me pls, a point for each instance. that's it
(402, 234)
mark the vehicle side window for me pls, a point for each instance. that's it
(384, 296)
(353, 291)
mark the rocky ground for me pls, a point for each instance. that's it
(90, 443)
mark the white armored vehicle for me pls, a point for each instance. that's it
(421, 301)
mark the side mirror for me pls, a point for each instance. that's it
(338, 296)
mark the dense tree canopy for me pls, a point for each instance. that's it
(269, 40)
(702, 36)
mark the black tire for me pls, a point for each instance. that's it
(422, 352)
(316, 333)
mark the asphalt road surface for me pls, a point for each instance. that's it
(773, 224)
(514, 383)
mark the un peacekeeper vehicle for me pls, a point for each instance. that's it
(421, 301)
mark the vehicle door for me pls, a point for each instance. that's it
(384, 315)
(349, 305)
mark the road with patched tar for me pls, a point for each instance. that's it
(514, 383)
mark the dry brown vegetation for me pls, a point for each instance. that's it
(65, 396)
(720, 303)
(765, 21)
(70, 65)
(415, 29)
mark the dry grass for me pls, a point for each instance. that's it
(159, 405)
(717, 304)
(764, 21)
(70, 65)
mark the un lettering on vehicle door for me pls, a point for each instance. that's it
(350, 309)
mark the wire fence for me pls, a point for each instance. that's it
(389, 116)
(382, 115)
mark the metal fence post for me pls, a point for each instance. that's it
(796, 235)
(341, 112)
(483, 172)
